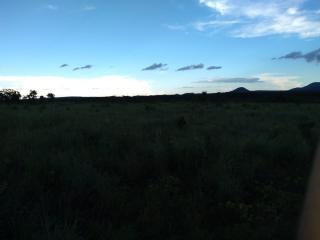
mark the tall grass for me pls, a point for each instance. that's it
(154, 171)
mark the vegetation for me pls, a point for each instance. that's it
(50, 96)
(9, 95)
(13, 96)
(178, 170)
(32, 95)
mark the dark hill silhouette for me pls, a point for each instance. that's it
(240, 90)
(312, 87)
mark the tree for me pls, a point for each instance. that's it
(32, 95)
(9, 95)
(50, 96)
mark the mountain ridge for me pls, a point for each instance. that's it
(312, 87)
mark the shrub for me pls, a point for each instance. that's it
(9, 95)
(50, 96)
(32, 95)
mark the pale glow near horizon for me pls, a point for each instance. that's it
(85, 87)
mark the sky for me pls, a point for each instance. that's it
(147, 47)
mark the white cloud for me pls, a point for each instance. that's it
(221, 6)
(283, 24)
(64, 86)
(292, 11)
(202, 26)
(262, 18)
(280, 82)
(89, 8)
(52, 7)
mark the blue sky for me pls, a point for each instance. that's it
(119, 38)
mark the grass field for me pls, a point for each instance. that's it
(154, 171)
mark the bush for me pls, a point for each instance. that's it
(50, 96)
(9, 95)
(32, 95)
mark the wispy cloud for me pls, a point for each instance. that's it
(86, 67)
(63, 86)
(175, 27)
(83, 67)
(191, 67)
(52, 7)
(155, 66)
(204, 25)
(232, 80)
(270, 81)
(222, 6)
(213, 68)
(187, 87)
(313, 56)
(89, 8)
(261, 18)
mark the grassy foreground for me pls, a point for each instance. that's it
(154, 171)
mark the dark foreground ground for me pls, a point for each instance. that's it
(165, 170)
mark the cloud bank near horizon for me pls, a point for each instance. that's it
(268, 81)
(87, 87)
(231, 80)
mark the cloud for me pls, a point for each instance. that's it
(187, 87)
(270, 81)
(280, 82)
(232, 80)
(64, 86)
(155, 66)
(86, 67)
(204, 25)
(82, 68)
(52, 7)
(293, 55)
(64, 65)
(257, 18)
(191, 67)
(213, 67)
(221, 6)
(89, 8)
(313, 56)
(175, 27)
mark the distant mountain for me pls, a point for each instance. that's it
(312, 87)
(240, 90)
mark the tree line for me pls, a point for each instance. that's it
(11, 95)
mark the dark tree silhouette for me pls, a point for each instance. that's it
(32, 95)
(50, 96)
(9, 95)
